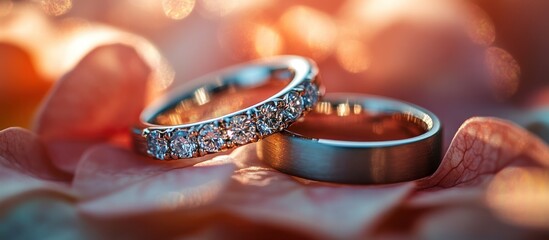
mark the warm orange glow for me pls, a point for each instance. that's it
(5, 7)
(378, 8)
(86, 37)
(505, 72)
(238, 39)
(352, 55)
(220, 8)
(366, 18)
(70, 39)
(310, 30)
(375, 12)
(267, 41)
(177, 9)
(56, 7)
(521, 196)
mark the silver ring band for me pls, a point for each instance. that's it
(365, 140)
(228, 108)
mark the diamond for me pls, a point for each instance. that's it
(211, 138)
(311, 95)
(269, 119)
(157, 145)
(183, 144)
(294, 106)
(241, 130)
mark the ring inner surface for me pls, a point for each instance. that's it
(351, 122)
(234, 93)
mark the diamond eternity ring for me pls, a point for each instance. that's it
(229, 108)
(358, 139)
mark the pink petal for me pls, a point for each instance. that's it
(446, 202)
(467, 222)
(106, 168)
(66, 154)
(267, 196)
(102, 95)
(485, 146)
(183, 188)
(24, 166)
(24, 153)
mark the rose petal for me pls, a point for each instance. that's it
(105, 168)
(65, 154)
(458, 223)
(24, 166)
(22, 151)
(267, 196)
(485, 146)
(102, 95)
(183, 188)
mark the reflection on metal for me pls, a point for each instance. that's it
(373, 147)
(323, 108)
(343, 109)
(201, 96)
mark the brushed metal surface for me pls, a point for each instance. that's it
(358, 162)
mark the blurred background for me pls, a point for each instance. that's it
(457, 58)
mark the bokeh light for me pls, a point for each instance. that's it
(268, 41)
(222, 8)
(177, 9)
(311, 32)
(56, 7)
(238, 40)
(480, 27)
(353, 55)
(520, 195)
(504, 71)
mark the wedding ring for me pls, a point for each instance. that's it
(357, 139)
(228, 108)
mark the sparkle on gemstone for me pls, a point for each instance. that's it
(241, 129)
(157, 145)
(269, 119)
(210, 138)
(311, 95)
(294, 106)
(182, 144)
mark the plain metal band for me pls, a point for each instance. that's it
(358, 162)
(304, 72)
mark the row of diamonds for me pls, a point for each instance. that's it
(237, 130)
